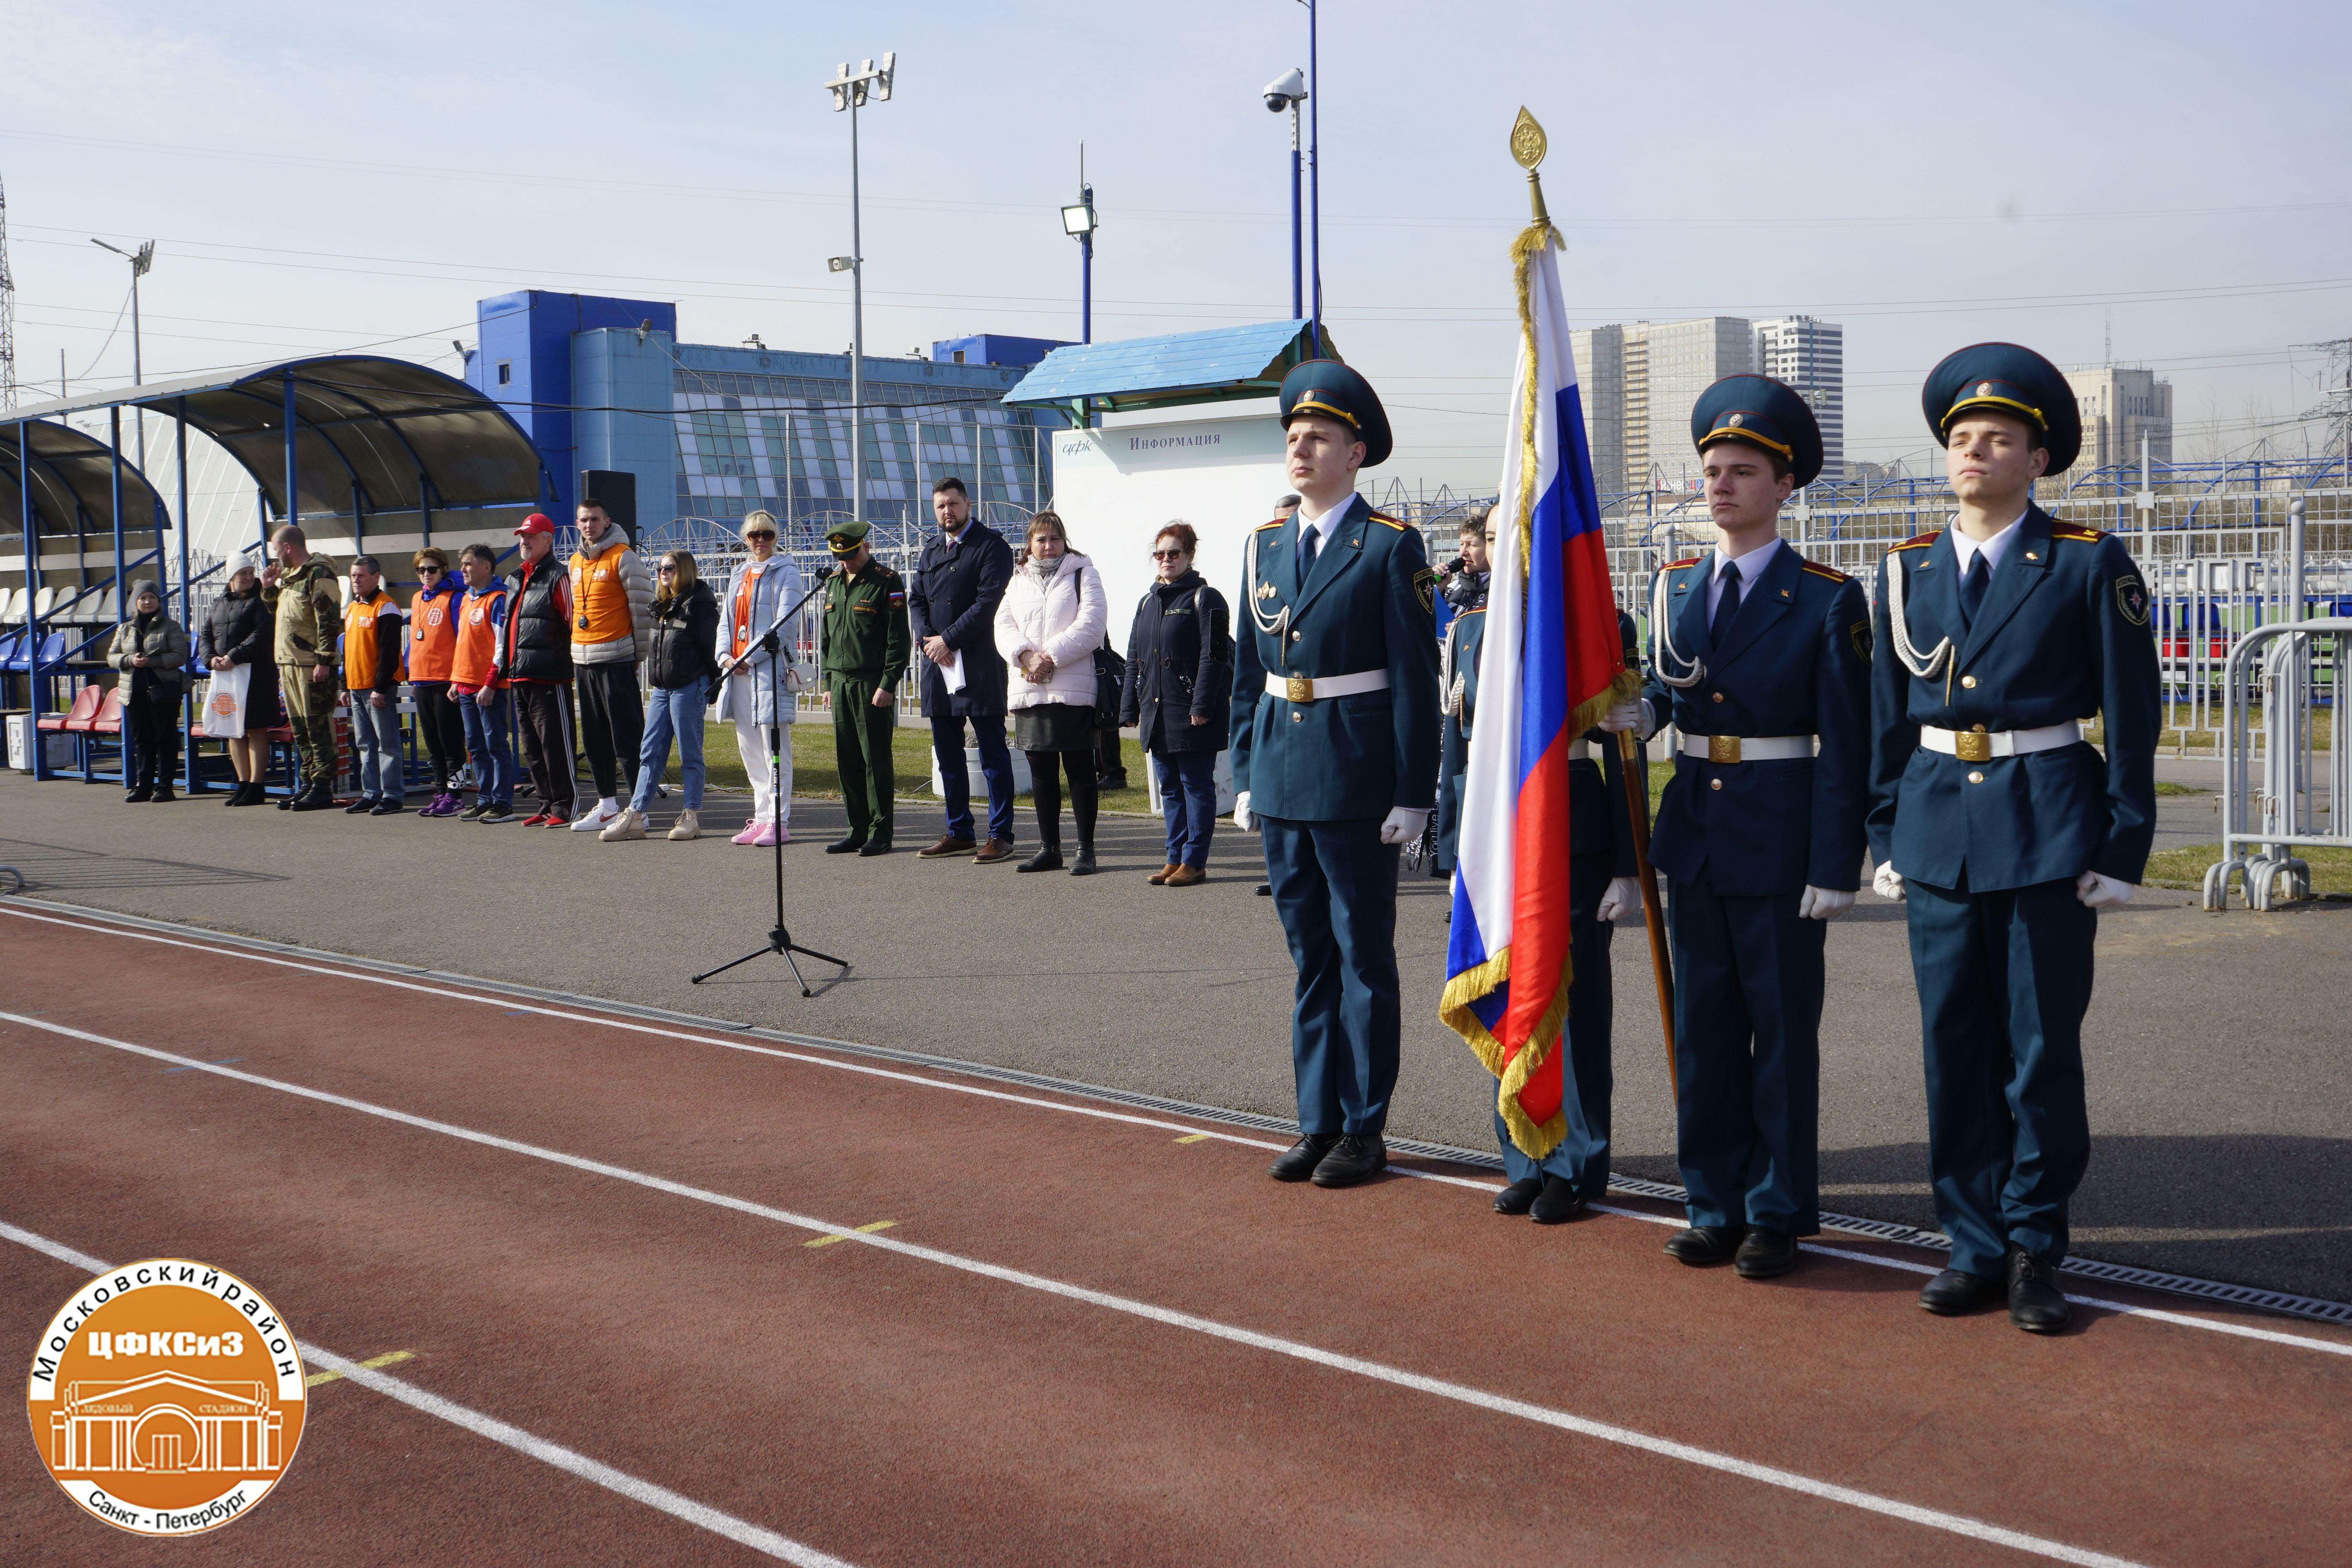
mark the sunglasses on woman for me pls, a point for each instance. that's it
(668, 570)
(1169, 554)
(762, 535)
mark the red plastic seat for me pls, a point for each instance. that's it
(109, 713)
(80, 716)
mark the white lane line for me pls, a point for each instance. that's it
(1624, 1437)
(631, 1486)
(506, 1003)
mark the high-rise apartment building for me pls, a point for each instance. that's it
(2119, 404)
(1639, 381)
(1809, 354)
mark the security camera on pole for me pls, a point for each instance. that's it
(850, 92)
(1288, 90)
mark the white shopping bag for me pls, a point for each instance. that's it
(224, 703)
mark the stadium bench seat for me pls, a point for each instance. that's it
(79, 717)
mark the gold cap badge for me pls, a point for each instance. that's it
(1738, 419)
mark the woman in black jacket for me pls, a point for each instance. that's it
(683, 662)
(239, 630)
(1179, 695)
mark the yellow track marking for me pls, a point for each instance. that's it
(390, 1358)
(862, 1229)
(1193, 1138)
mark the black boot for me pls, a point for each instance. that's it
(164, 795)
(1047, 859)
(1558, 1203)
(1519, 1196)
(138, 793)
(319, 796)
(1084, 866)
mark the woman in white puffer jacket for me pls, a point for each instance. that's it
(1048, 625)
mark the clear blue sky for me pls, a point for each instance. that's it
(324, 177)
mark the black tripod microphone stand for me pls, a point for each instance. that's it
(780, 941)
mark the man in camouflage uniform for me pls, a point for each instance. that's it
(864, 651)
(299, 590)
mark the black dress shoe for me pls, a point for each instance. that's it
(2035, 1303)
(875, 846)
(1956, 1292)
(139, 794)
(1519, 1196)
(1356, 1157)
(1765, 1254)
(1084, 866)
(1558, 1203)
(1298, 1163)
(163, 796)
(849, 846)
(1048, 858)
(1704, 1246)
(361, 806)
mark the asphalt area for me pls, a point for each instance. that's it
(643, 1292)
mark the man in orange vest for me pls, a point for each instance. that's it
(432, 643)
(612, 629)
(372, 677)
(477, 681)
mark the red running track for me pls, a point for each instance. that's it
(1087, 1334)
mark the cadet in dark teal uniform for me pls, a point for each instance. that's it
(1335, 758)
(2005, 830)
(1764, 659)
(1600, 889)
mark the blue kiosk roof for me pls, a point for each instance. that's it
(1132, 373)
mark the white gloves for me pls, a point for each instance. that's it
(2099, 892)
(1887, 883)
(1623, 898)
(1242, 818)
(1402, 826)
(1632, 715)
(1822, 904)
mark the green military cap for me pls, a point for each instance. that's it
(843, 538)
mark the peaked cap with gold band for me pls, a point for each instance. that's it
(843, 538)
(1327, 387)
(1763, 414)
(2003, 378)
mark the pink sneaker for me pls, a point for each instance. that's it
(751, 834)
(764, 836)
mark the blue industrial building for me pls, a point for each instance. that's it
(712, 432)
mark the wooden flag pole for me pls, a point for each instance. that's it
(1654, 916)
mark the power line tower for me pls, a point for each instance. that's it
(2336, 388)
(7, 311)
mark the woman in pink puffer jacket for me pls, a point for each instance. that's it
(1048, 625)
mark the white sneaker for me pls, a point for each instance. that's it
(594, 820)
(688, 827)
(630, 824)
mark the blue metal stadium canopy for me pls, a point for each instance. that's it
(1133, 374)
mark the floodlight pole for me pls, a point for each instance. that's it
(1297, 283)
(1086, 272)
(141, 261)
(1315, 171)
(850, 93)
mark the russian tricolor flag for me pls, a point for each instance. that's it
(1551, 665)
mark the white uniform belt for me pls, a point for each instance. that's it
(1747, 748)
(1313, 688)
(1579, 750)
(1979, 745)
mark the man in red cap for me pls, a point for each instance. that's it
(537, 662)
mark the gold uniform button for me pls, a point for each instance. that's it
(1714, 784)
(1970, 682)
(1975, 778)
(1718, 697)
(1296, 717)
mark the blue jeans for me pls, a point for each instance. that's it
(671, 710)
(995, 764)
(488, 746)
(1188, 803)
(375, 731)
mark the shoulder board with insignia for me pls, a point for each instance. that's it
(1678, 565)
(1383, 518)
(1262, 527)
(1473, 610)
(1832, 573)
(1916, 542)
(2088, 535)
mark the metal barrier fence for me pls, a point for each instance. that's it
(2300, 801)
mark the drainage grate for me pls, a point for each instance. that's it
(2314, 1309)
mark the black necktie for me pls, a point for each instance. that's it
(1972, 589)
(1728, 606)
(1306, 552)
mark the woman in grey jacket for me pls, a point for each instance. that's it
(151, 649)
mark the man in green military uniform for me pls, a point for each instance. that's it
(299, 590)
(864, 651)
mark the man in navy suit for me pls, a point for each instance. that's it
(2003, 830)
(1335, 758)
(951, 602)
(1763, 658)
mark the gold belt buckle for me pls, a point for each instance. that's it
(1299, 688)
(1972, 745)
(1723, 748)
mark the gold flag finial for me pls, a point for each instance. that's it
(1527, 147)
